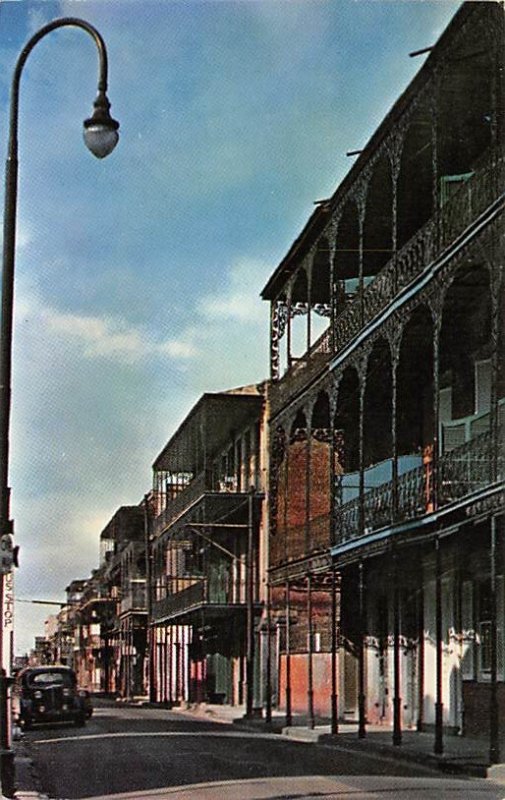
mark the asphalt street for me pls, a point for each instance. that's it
(128, 752)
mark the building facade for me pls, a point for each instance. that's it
(386, 474)
(208, 562)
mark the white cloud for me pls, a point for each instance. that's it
(239, 298)
(113, 337)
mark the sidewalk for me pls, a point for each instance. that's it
(462, 755)
(25, 779)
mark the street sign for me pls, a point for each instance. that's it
(6, 555)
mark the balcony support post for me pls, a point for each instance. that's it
(288, 328)
(335, 642)
(361, 445)
(308, 475)
(494, 720)
(397, 700)
(274, 342)
(268, 687)
(395, 340)
(250, 606)
(361, 204)
(309, 302)
(167, 664)
(310, 648)
(361, 665)
(421, 636)
(439, 707)
(434, 492)
(289, 716)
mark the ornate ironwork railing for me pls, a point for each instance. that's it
(303, 369)
(179, 503)
(462, 471)
(444, 227)
(188, 598)
(465, 469)
(201, 592)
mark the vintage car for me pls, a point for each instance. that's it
(49, 694)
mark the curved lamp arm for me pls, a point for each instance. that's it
(100, 117)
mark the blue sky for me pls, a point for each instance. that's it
(138, 277)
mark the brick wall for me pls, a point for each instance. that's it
(289, 536)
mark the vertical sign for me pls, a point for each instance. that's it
(8, 622)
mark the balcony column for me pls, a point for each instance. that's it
(433, 107)
(254, 457)
(166, 693)
(332, 467)
(494, 719)
(335, 645)
(496, 284)
(395, 149)
(289, 716)
(361, 195)
(310, 267)
(397, 700)
(439, 706)
(274, 341)
(310, 648)
(421, 665)
(434, 489)
(287, 443)
(332, 245)
(395, 340)
(288, 325)
(361, 442)
(308, 476)
(361, 666)
(250, 585)
(268, 676)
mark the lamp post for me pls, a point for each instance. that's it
(100, 136)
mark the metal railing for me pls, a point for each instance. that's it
(444, 227)
(462, 471)
(202, 592)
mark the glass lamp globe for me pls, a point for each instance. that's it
(100, 138)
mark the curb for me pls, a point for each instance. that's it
(448, 764)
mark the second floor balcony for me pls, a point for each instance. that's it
(462, 472)
(134, 599)
(216, 592)
(215, 452)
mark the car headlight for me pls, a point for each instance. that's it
(38, 695)
(66, 692)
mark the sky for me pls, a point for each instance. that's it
(138, 276)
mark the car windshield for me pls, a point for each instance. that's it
(45, 678)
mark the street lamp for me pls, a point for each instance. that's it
(100, 136)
